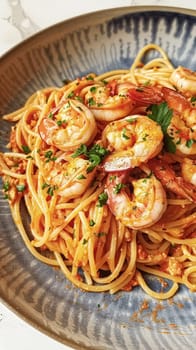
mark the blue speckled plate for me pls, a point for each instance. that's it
(93, 43)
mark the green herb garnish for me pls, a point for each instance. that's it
(118, 187)
(81, 177)
(71, 95)
(112, 177)
(169, 144)
(193, 99)
(162, 114)
(91, 101)
(95, 155)
(50, 115)
(124, 134)
(20, 188)
(61, 122)
(100, 234)
(190, 142)
(89, 77)
(102, 199)
(49, 156)
(84, 241)
(6, 186)
(91, 222)
(51, 190)
(45, 185)
(93, 88)
(26, 149)
(80, 150)
(131, 120)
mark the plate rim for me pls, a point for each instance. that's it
(101, 15)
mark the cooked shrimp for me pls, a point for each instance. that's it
(173, 183)
(68, 126)
(184, 80)
(141, 208)
(188, 167)
(132, 140)
(70, 179)
(109, 102)
(182, 128)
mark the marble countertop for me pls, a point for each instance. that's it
(20, 19)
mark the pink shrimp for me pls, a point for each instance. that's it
(133, 140)
(170, 181)
(68, 126)
(184, 80)
(141, 208)
(109, 102)
(182, 128)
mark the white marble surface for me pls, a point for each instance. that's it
(18, 20)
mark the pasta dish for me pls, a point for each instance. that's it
(106, 167)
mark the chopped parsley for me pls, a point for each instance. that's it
(61, 122)
(91, 101)
(79, 98)
(124, 134)
(85, 241)
(20, 188)
(6, 196)
(102, 199)
(131, 120)
(149, 175)
(50, 115)
(118, 187)
(162, 114)
(190, 142)
(6, 186)
(144, 138)
(81, 177)
(71, 94)
(93, 88)
(95, 154)
(49, 156)
(45, 185)
(112, 177)
(100, 234)
(147, 83)
(51, 190)
(89, 77)
(80, 150)
(178, 142)
(169, 144)
(193, 99)
(91, 222)
(26, 149)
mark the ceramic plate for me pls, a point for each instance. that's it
(91, 43)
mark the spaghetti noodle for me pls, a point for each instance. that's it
(106, 168)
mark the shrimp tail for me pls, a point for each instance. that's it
(170, 181)
(145, 96)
